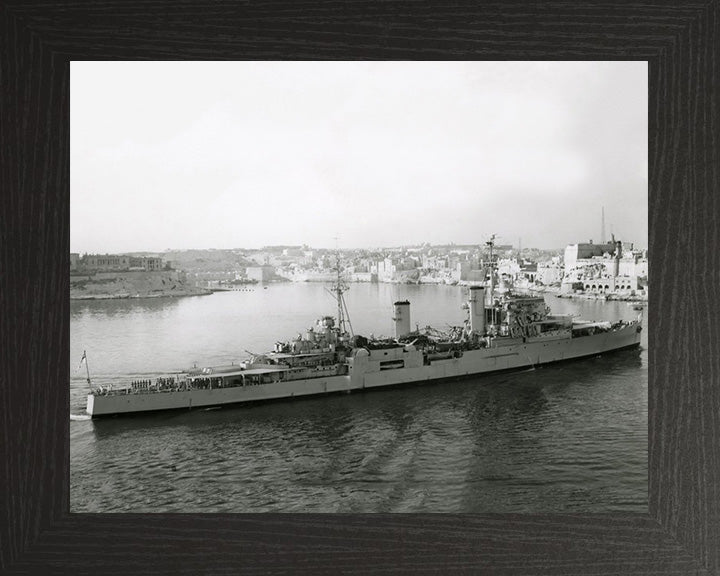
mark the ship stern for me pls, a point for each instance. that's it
(90, 404)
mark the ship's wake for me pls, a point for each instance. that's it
(79, 417)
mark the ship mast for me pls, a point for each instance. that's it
(339, 288)
(490, 243)
(490, 295)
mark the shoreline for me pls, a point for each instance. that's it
(135, 297)
(604, 297)
(209, 291)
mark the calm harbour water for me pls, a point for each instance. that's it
(570, 437)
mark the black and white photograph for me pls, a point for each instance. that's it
(359, 287)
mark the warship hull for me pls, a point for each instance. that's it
(379, 368)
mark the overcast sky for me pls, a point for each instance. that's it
(245, 154)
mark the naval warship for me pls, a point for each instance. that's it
(503, 331)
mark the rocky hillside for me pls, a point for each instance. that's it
(131, 285)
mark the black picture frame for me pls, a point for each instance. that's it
(681, 533)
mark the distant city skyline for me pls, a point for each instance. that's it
(233, 155)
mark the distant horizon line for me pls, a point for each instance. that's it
(310, 247)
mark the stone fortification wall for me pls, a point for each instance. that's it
(138, 284)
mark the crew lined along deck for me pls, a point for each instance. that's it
(237, 379)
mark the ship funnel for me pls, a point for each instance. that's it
(477, 309)
(402, 318)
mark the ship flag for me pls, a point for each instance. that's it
(83, 360)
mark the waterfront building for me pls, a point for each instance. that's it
(578, 255)
(114, 262)
(528, 272)
(549, 273)
(105, 262)
(148, 263)
(508, 266)
(613, 267)
(465, 272)
(260, 273)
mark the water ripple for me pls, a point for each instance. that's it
(571, 437)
